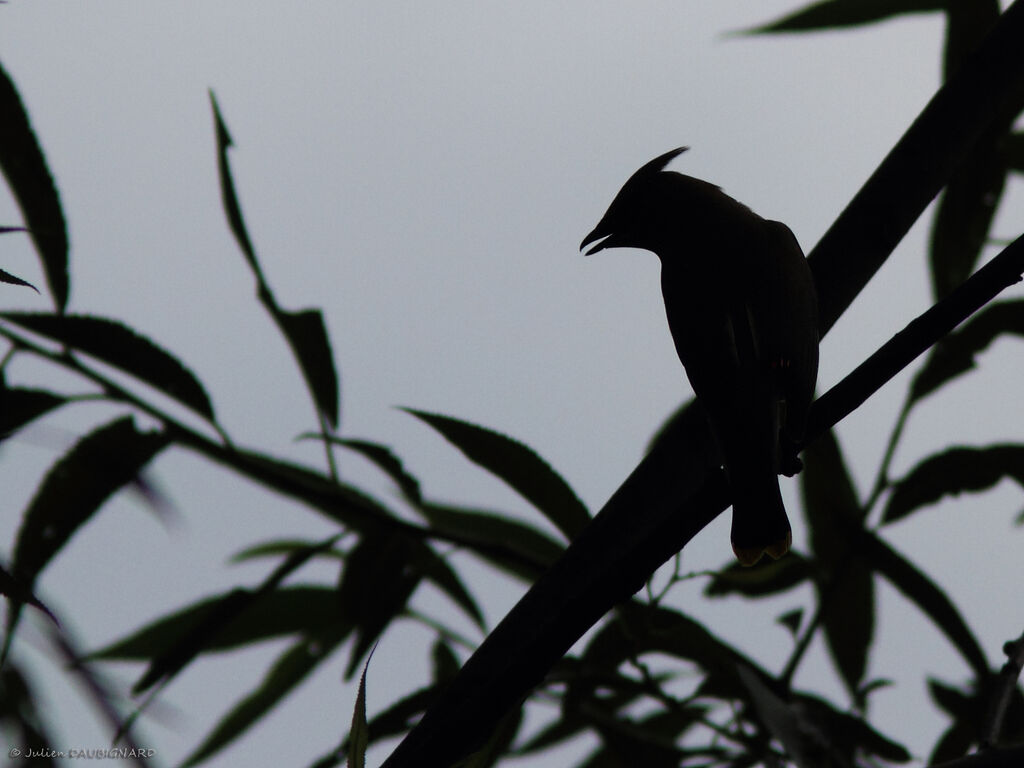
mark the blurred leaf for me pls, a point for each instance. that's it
(376, 583)
(7, 277)
(202, 634)
(777, 717)
(498, 743)
(74, 489)
(648, 741)
(21, 406)
(835, 14)
(791, 620)
(639, 628)
(768, 578)
(24, 166)
(359, 735)
(281, 547)
(385, 460)
(518, 465)
(954, 471)
(307, 337)
(846, 585)
(119, 346)
(847, 738)
(964, 216)
(917, 587)
(18, 594)
(517, 547)
(291, 668)
(443, 661)
(964, 712)
(285, 611)
(956, 353)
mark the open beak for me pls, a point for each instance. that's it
(599, 233)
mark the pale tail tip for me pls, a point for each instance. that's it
(749, 556)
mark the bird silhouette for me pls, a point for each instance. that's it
(742, 310)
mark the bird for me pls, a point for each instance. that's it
(742, 311)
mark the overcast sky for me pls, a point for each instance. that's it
(425, 173)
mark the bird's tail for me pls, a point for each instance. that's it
(759, 521)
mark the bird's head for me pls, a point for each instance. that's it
(643, 212)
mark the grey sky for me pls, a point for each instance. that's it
(424, 173)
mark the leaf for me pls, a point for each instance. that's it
(74, 489)
(24, 166)
(791, 620)
(359, 734)
(385, 460)
(119, 346)
(17, 592)
(769, 578)
(516, 547)
(516, 464)
(21, 406)
(203, 633)
(227, 188)
(286, 611)
(304, 330)
(377, 581)
(846, 583)
(957, 352)
(835, 14)
(7, 277)
(280, 547)
(307, 336)
(291, 668)
(954, 471)
(926, 595)
(777, 717)
(964, 217)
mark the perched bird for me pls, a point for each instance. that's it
(743, 313)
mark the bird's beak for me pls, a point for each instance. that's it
(599, 233)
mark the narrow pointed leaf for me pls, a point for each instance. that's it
(304, 330)
(956, 470)
(518, 548)
(95, 468)
(7, 277)
(846, 584)
(359, 734)
(956, 353)
(227, 188)
(291, 668)
(518, 465)
(24, 166)
(377, 582)
(21, 406)
(17, 592)
(307, 336)
(286, 611)
(917, 587)
(226, 612)
(385, 460)
(835, 14)
(119, 346)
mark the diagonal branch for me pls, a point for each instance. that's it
(671, 495)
